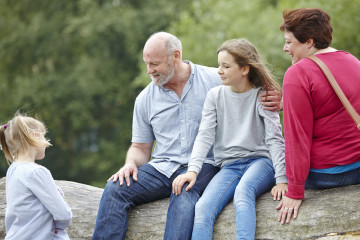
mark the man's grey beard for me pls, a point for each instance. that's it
(164, 78)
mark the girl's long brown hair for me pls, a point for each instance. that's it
(245, 54)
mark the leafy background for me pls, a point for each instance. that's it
(77, 64)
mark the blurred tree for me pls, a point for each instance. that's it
(72, 63)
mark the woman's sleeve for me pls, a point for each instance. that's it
(298, 129)
(206, 135)
(43, 186)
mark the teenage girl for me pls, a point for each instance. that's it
(247, 140)
(35, 205)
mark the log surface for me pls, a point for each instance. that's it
(331, 214)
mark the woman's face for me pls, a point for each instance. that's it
(294, 48)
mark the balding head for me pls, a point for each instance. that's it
(162, 55)
(163, 41)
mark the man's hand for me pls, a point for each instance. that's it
(180, 180)
(137, 155)
(287, 206)
(278, 191)
(129, 169)
(272, 101)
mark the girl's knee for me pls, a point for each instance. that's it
(202, 209)
(244, 195)
(199, 206)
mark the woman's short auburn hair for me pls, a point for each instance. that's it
(307, 23)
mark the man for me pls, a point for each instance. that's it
(167, 111)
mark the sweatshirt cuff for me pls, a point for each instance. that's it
(296, 191)
(193, 168)
(281, 179)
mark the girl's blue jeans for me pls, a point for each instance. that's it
(242, 181)
(112, 218)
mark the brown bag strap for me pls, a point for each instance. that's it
(354, 115)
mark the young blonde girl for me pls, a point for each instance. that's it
(35, 205)
(247, 140)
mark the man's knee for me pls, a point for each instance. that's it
(185, 200)
(114, 192)
(112, 188)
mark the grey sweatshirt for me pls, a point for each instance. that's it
(237, 126)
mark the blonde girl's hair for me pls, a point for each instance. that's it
(21, 133)
(245, 54)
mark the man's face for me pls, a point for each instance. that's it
(162, 75)
(159, 65)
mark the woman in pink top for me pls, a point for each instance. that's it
(322, 142)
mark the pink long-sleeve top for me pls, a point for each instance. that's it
(319, 132)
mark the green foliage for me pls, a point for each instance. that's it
(78, 66)
(72, 63)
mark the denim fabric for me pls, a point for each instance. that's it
(323, 180)
(243, 181)
(112, 219)
(338, 169)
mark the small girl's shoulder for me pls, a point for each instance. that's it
(40, 169)
(33, 169)
(26, 172)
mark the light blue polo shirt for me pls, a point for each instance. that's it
(161, 116)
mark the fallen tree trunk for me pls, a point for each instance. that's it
(327, 215)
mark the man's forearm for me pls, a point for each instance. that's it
(139, 154)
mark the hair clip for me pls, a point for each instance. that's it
(5, 126)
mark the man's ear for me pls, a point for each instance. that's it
(177, 55)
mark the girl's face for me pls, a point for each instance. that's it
(40, 152)
(231, 74)
(294, 48)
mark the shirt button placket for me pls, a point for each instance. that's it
(182, 130)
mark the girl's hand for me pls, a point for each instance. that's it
(180, 180)
(278, 191)
(287, 207)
